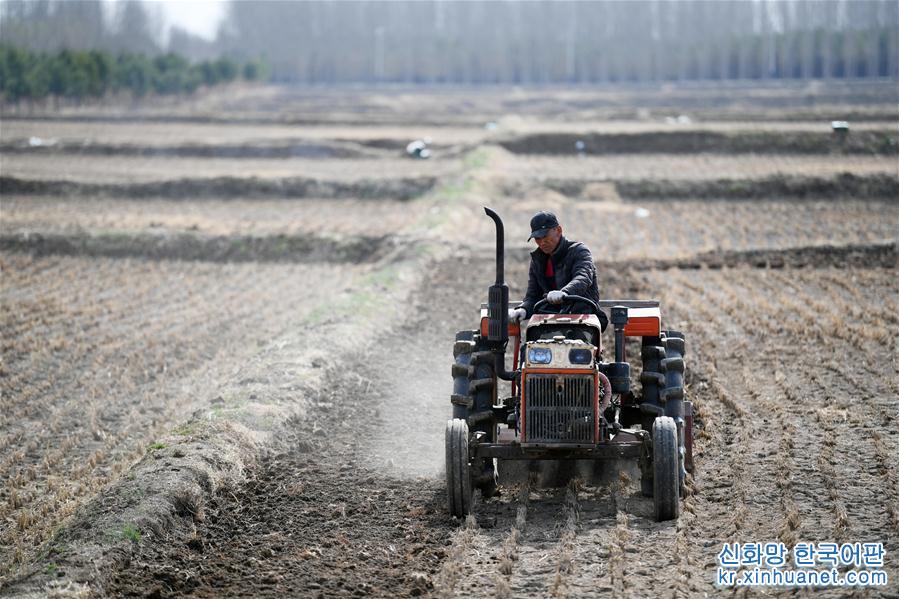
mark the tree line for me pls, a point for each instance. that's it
(93, 74)
(495, 42)
(545, 42)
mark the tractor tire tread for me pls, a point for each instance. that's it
(673, 393)
(673, 365)
(475, 385)
(450, 470)
(463, 370)
(462, 400)
(458, 476)
(676, 345)
(666, 475)
(651, 352)
(649, 378)
(482, 357)
(462, 347)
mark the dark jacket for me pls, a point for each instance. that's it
(575, 274)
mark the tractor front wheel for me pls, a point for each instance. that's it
(458, 470)
(665, 469)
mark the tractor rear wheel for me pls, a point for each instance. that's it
(665, 469)
(458, 470)
(673, 393)
(462, 370)
(472, 398)
(652, 380)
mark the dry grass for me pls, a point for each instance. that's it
(106, 169)
(681, 229)
(887, 466)
(162, 134)
(787, 353)
(100, 356)
(565, 548)
(624, 167)
(452, 570)
(237, 217)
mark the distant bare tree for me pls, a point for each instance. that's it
(490, 42)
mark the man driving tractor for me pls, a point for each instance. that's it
(559, 267)
(567, 408)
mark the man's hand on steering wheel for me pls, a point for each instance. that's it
(568, 301)
(555, 297)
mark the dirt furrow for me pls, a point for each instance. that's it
(559, 586)
(819, 432)
(724, 490)
(618, 550)
(772, 471)
(536, 568)
(133, 184)
(762, 403)
(508, 556)
(822, 316)
(595, 544)
(189, 246)
(760, 457)
(886, 466)
(452, 574)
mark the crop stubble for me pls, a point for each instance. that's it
(141, 169)
(100, 356)
(311, 216)
(792, 372)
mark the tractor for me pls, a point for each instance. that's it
(565, 402)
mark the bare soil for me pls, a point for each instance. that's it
(756, 101)
(101, 355)
(132, 324)
(239, 217)
(691, 142)
(224, 188)
(208, 248)
(139, 169)
(378, 531)
(674, 167)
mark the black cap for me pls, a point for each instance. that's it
(541, 223)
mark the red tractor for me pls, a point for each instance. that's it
(566, 403)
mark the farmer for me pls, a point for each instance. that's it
(559, 268)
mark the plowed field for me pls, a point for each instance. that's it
(311, 335)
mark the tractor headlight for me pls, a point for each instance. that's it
(540, 355)
(580, 356)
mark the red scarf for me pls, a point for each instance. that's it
(550, 272)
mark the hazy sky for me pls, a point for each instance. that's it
(201, 17)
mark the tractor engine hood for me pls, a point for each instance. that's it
(564, 319)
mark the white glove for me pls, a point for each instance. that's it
(516, 314)
(555, 297)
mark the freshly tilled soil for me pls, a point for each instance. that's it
(789, 337)
(350, 503)
(206, 248)
(224, 188)
(316, 521)
(687, 142)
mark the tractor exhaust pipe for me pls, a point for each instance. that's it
(498, 305)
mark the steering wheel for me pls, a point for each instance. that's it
(565, 307)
